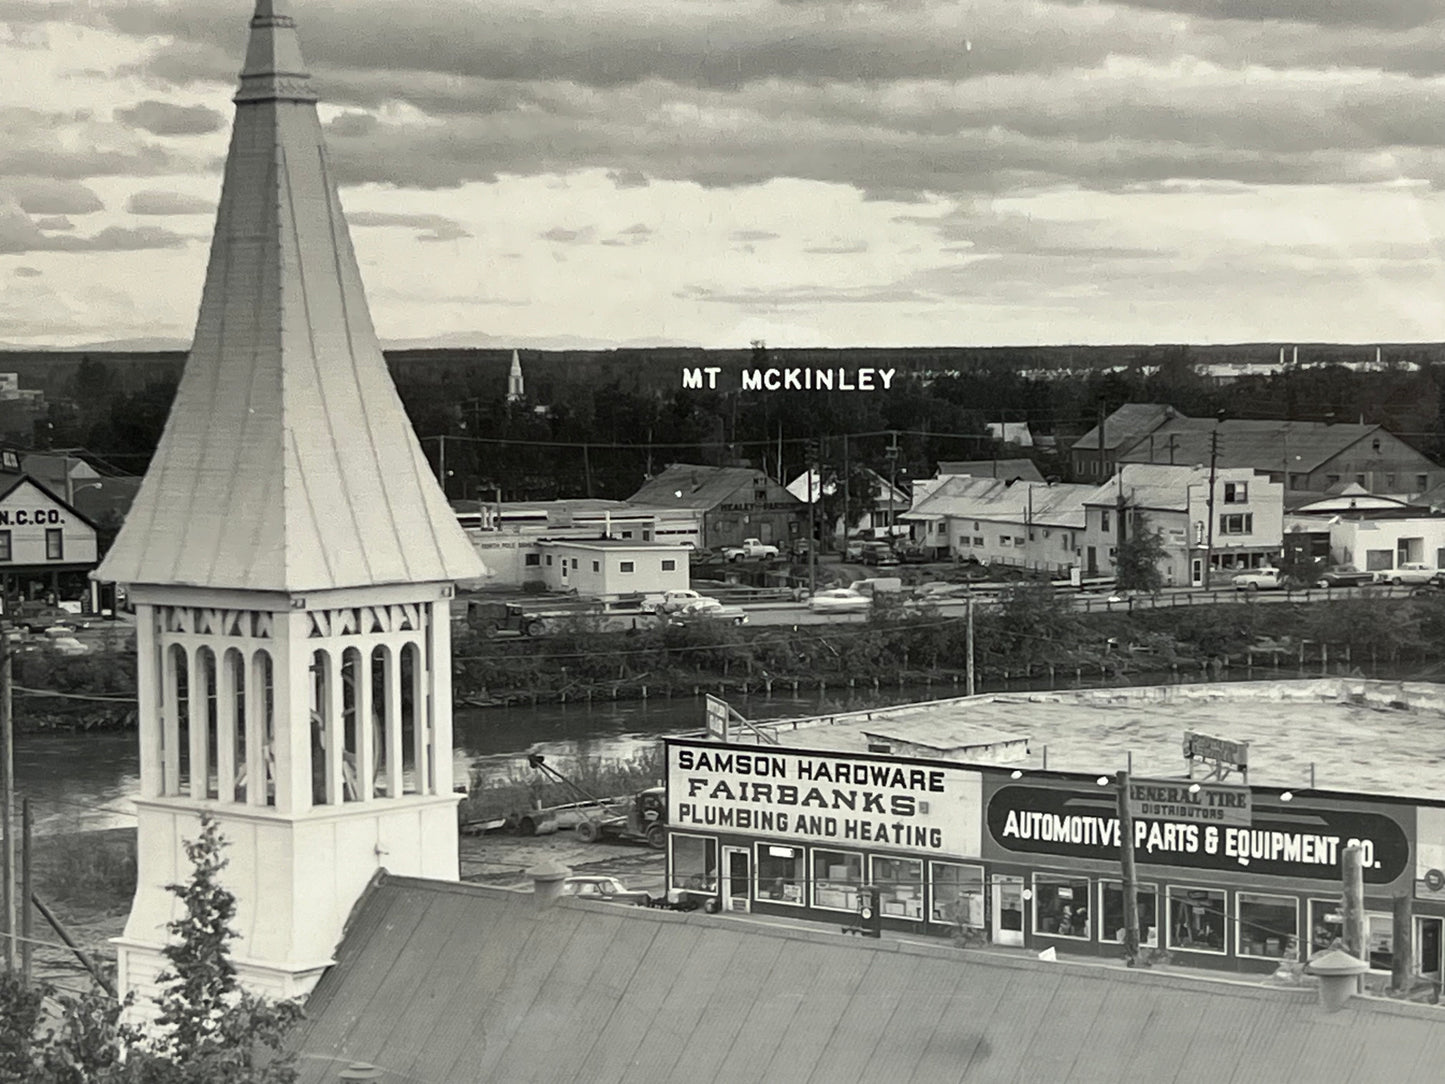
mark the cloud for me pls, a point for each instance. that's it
(562, 236)
(429, 227)
(165, 119)
(753, 235)
(838, 250)
(44, 196)
(25, 272)
(73, 146)
(55, 222)
(18, 233)
(156, 202)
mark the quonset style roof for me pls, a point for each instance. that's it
(1248, 442)
(448, 983)
(287, 462)
(684, 485)
(1024, 469)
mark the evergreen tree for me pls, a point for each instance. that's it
(1136, 567)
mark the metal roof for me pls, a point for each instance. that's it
(964, 496)
(287, 462)
(1126, 425)
(1247, 442)
(439, 983)
(1022, 468)
(686, 485)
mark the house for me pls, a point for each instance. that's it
(887, 500)
(611, 566)
(47, 546)
(1032, 525)
(724, 504)
(1015, 433)
(1096, 453)
(1248, 520)
(462, 982)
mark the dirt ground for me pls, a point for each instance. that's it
(503, 858)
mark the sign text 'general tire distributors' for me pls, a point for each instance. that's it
(848, 798)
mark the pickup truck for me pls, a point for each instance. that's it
(1260, 579)
(750, 549)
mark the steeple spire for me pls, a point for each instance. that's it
(288, 462)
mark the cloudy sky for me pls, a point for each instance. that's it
(811, 172)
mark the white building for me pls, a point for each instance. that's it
(1378, 544)
(996, 521)
(291, 560)
(610, 566)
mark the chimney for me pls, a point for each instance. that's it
(547, 882)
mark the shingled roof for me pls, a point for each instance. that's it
(444, 983)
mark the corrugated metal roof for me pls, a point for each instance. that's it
(1060, 504)
(439, 983)
(686, 485)
(1021, 468)
(287, 462)
(1247, 442)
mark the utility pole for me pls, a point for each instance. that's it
(1126, 869)
(7, 808)
(1103, 456)
(27, 887)
(587, 469)
(812, 448)
(847, 519)
(1354, 904)
(1209, 506)
(968, 609)
(442, 463)
(892, 477)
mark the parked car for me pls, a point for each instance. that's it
(877, 553)
(40, 618)
(1412, 572)
(1344, 576)
(1431, 586)
(69, 645)
(839, 600)
(911, 553)
(709, 609)
(1259, 579)
(610, 889)
(671, 601)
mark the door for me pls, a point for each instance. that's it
(1091, 561)
(1196, 571)
(1427, 948)
(737, 878)
(1008, 910)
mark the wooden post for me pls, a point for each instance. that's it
(7, 807)
(1353, 910)
(27, 886)
(968, 609)
(1402, 966)
(1126, 867)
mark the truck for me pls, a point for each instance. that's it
(641, 816)
(537, 618)
(751, 549)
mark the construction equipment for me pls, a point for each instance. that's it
(641, 816)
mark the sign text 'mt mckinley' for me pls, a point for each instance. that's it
(824, 796)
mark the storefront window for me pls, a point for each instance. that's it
(780, 873)
(694, 862)
(1196, 919)
(1327, 923)
(900, 887)
(957, 894)
(1111, 911)
(1061, 906)
(1268, 925)
(836, 879)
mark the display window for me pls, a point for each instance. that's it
(957, 894)
(782, 874)
(1061, 906)
(837, 877)
(694, 862)
(1196, 919)
(900, 886)
(1268, 925)
(1327, 923)
(1111, 913)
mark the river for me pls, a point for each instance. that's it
(79, 781)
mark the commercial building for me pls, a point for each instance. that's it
(1248, 527)
(46, 545)
(726, 504)
(998, 521)
(611, 566)
(798, 824)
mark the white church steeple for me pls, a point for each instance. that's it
(291, 560)
(516, 391)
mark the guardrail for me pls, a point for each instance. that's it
(1216, 595)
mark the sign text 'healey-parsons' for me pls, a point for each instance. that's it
(829, 796)
(1183, 800)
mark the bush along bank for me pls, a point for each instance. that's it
(1032, 633)
(52, 692)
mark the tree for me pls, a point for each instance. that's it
(1137, 563)
(209, 1030)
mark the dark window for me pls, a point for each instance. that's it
(54, 544)
(1422, 482)
(1267, 925)
(549, 560)
(626, 534)
(1236, 492)
(1061, 906)
(532, 559)
(837, 877)
(780, 873)
(596, 566)
(627, 566)
(669, 566)
(1103, 521)
(1111, 910)
(5, 546)
(574, 563)
(1236, 523)
(1196, 919)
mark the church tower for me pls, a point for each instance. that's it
(291, 560)
(516, 392)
